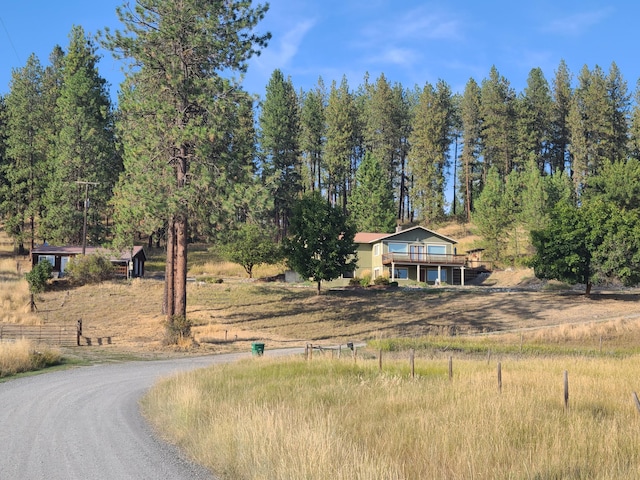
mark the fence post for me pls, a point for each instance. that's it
(500, 377)
(566, 390)
(78, 332)
(380, 360)
(412, 357)
(339, 351)
(450, 368)
(355, 353)
(636, 401)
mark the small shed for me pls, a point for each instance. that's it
(127, 263)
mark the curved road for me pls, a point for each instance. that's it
(84, 423)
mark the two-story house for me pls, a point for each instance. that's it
(416, 253)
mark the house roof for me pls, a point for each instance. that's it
(370, 237)
(124, 256)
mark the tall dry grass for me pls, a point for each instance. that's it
(284, 419)
(23, 356)
(14, 295)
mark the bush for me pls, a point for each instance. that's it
(355, 282)
(84, 269)
(38, 276)
(177, 329)
(381, 280)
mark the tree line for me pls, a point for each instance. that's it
(188, 154)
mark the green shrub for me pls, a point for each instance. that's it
(84, 269)
(381, 280)
(38, 276)
(355, 282)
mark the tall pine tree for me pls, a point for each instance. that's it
(279, 122)
(84, 150)
(178, 52)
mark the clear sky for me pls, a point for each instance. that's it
(410, 41)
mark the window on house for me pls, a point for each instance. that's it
(401, 273)
(398, 248)
(50, 258)
(436, 249)
(376, 273)
(376, 250)
(432, 275)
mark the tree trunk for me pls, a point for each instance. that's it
(587, 291)
(319, 282)
(169, 293)
(180, 274)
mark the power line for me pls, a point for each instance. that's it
(10, 41)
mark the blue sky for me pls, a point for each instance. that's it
(410, 41)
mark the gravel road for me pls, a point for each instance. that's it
(84, 423)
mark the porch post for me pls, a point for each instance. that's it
(393, 271)
(462, 275)
(439, 277)
(418, 273)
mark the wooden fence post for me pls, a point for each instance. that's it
(355, 353)
(78, 332)
(500, 377)
(566, 390)
(412, 363)
(488, 356)
(380, 360)
(450, 368)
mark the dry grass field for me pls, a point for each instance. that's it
(228, 316)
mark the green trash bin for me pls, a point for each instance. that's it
(257, 348)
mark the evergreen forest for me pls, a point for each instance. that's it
(186, 155)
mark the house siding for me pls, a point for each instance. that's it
(407, 269)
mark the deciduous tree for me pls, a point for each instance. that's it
(320, 242)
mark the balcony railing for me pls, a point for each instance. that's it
(424, 258)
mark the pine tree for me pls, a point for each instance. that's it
(371, 206)
(559, 128)
(534, 113)
(313, 133)
(386, 130)
(26, 146)
(470, 168)
(590, 123)
(84, 150)
(279, 122)
(493, 214)
(498, 123)
(620, 102)
(178, 53)
(634, 125)
(341, 116)
(429, 155)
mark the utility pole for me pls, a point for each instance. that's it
(86, 206)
